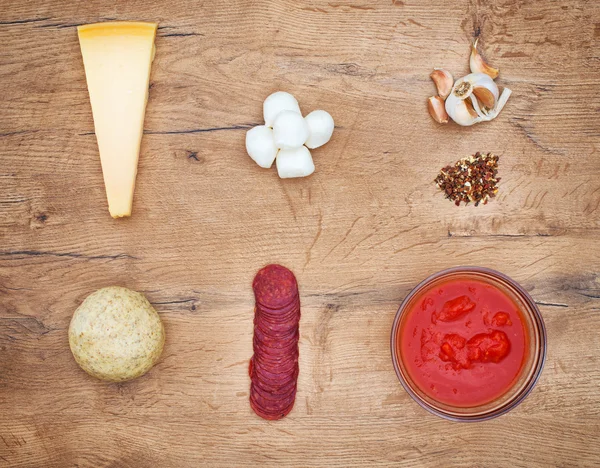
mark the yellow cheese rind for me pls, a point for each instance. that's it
(117, 58)
(118, 28)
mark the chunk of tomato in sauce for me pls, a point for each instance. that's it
(488, 347)
(454, 309)
(500, 319)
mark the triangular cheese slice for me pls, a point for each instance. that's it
(117, 58)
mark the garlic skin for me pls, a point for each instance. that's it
(475, 98)
(435, 105)
(260, 146)
(276, 103)
(295, 163)
(443, 81)
(320, 127)
(478, 65)
(500, 104)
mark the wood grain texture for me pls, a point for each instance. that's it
(359, 233)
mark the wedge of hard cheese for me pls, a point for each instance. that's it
(117, 57)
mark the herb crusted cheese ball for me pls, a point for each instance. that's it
(116, 334)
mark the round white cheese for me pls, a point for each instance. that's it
(320, 125)
(276, 103)
(260, 146)
(290, 130)
(295, 163)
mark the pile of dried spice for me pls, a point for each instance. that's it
(471, 179)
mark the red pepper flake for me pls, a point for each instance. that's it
(471, 179)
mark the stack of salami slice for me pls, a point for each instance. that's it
(274, 366)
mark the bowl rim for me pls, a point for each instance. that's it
(538, 324)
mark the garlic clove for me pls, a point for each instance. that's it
(295, 163)
(260, 146)
(492, 114)
(320, 127)
(290, 130)
(443, 81)
(276, 103)
(478, 65)
(474, 103)
(462, 111)
(485, 97)
(483, 85)
(471, 108)
(435, 105)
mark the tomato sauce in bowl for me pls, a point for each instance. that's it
(468, 343)
(463, 342)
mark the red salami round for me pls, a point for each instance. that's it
(270, 415)
(269, 357)
(273, 404)
(275, 286)
(292, 316)
(280, 311)
(275, 349)
(277, 373)
(276, 332)
(288, 321)
(274, 367)
(275, 394)
(265, 335)
(281, 387)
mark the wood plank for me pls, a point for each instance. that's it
(359, 233)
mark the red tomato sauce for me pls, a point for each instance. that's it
(463, 342)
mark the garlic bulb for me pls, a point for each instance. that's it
(478, 65)
(475, 98)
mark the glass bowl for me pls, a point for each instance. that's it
(530, 372)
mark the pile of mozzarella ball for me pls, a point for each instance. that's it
(286, 135)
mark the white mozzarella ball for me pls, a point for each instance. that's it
(260, 145)
(320, 126)
(276, 103)
(295, 163)
(290, 130)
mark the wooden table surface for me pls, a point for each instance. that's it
(359, 233)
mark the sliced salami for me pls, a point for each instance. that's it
(274, 367)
